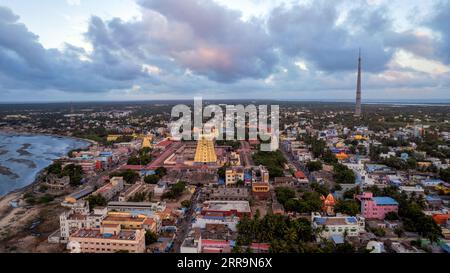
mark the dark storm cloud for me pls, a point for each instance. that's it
(194, 45)
(312, 32)
(440, 22)
(25, 63)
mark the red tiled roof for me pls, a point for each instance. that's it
(299, 174)
(441, 218)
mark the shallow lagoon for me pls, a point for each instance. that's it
(23, 156)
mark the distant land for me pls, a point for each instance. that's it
(364, 101)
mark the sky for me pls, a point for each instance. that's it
(85, 50)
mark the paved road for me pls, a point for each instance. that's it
(183, 229)
(300, 166)
(245, 153)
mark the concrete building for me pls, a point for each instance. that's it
(338, 225)
(53, 182)
(79, 217)
(136, 208)
(107, 239)
(376, 207)
(418, 190)
(227, 208)
(261, 190)
(224, 194)
(109, 190)
(215, 218)
(138, 187)
(233, 175)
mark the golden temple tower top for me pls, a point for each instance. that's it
(205, 152)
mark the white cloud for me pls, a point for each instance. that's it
(73, 2)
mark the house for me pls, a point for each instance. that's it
(112, 188)
(431, 183)
(300, 177)
(233, 175)
(341, 225)
(376, 207)
(79, 217)
(109, 238)
(418, 190)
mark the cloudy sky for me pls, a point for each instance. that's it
(75, 50)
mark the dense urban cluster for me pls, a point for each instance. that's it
(336, 184)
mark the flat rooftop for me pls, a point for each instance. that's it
(127, 235)
(239, 206)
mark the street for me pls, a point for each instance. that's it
(186, 222)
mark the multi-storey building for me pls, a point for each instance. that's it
(109, 238)
(338, 225)
(376, 207)
(233, 175)
(79, 217)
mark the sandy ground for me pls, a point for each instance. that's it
(15, 235)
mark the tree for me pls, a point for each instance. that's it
(74, 172)
(378, 231)
(138, 197)
(350, 193)
(284, 193)
(329, 157)
(348, 207)
(391, 216)
(273, 161)
(313, 166)
(46, 199)
(320, 188)
(95, 200)
(150, 237)
(399, 232)
(186, 203)
(161, 171)
(285, 235)
(175, 191)
(221, 172)
(129, 176)
(445, 174)
(151, 179)
(337, 187)
(55, 168)
(342, 174)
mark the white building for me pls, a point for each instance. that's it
(339, 225)
(418, 190)
(80, 217)
(192, 243)
(202, 220)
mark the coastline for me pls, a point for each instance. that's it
(25, 132)
(19, 191)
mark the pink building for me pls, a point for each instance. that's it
(376, 207)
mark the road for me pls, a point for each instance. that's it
(186, 222)
(298, 165)
(245, 153)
